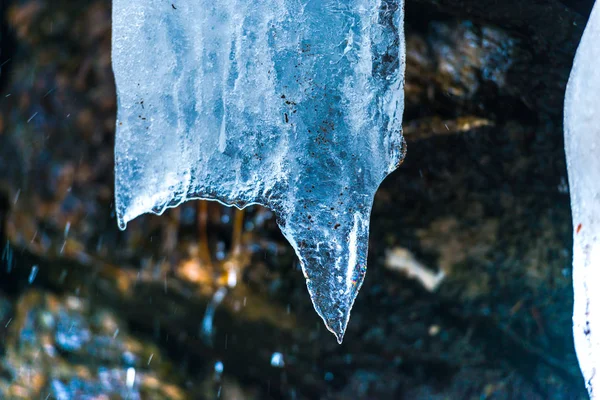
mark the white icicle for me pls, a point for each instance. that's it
(582, 145)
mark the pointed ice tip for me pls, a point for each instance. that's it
(337, 324)
(339, 333)
(337, 329)
(334, 261)
(339, 336)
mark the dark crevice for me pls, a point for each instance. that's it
(7, 45)
(582, 7)
(4, 208)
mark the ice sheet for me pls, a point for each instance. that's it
(292, 104)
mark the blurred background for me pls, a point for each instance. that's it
(468, 293)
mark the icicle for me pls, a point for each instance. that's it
(294, 105)
(582, 146)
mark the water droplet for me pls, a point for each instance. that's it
(231, 278)
(130, 377)
(219, 367)
(33, 273)
(277, 360)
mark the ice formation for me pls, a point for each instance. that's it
(582, 146)
(292, 104)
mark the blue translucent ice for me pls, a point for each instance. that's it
(292, 104)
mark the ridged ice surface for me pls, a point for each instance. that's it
(292, 104)
(582, 147)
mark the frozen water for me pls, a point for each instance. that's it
(582, 146)
(292, 104)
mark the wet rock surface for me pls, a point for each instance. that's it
(58, 347)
